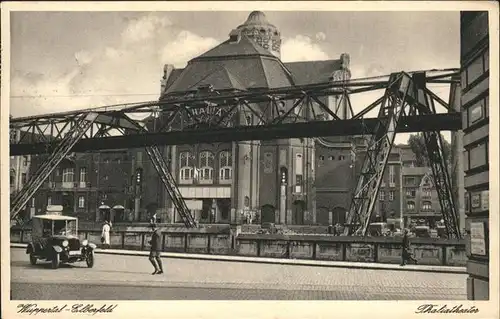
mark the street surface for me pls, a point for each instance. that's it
(116, 277)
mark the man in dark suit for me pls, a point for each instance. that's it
(405, 253)
(154, 255)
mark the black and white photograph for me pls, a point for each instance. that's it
(249, 151)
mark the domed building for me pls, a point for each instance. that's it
(222, 181)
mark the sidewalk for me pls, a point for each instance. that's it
(282, 261)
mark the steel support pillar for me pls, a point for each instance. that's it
(168, 180)
(62, 149)
(377, 155)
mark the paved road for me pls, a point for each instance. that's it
(129, 278)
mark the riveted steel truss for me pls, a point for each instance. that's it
(79, 126)
(208, 115)
(404, 96)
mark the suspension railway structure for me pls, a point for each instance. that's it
(407, 105)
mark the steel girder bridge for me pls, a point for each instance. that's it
(206, 115)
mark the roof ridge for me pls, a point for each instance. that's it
(311, 61)
(258, 49)
(234, 80)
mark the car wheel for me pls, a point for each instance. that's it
(56, 261)
(90, 259)
(32, 259)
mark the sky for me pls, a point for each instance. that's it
(64, 61)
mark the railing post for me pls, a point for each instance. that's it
(208, 244)
(314, 250)
(443, 252)
(185, 243)
(142, 241)
(163, 242)
(123, 239)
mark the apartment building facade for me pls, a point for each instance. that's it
(474, 54)
(88, 185)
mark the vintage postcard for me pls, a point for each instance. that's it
(236, 159)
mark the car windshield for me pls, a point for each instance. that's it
(64, 227)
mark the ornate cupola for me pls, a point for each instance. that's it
(259, 30)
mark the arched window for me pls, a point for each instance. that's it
(410, 205)
(206, 174)
(225, 167)
(426, 206)
(186, 168)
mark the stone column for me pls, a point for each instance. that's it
(243, 167)
(457, 160)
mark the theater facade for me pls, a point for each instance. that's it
(277, 179)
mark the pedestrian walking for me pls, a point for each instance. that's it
(106, 229)
(154, 255)
(405, 253)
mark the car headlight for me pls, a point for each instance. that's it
(85, 242)
(65, 243)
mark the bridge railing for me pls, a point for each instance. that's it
(428, 251)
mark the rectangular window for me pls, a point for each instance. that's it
(24, 178)
(487, 106)
(25, 161)
(382, 195)
(391, 196)
(466, 161)
(478, 156)
(49, 201)
(392, 176)
(298, 164)
(81, 202)
(426, 193)
(486, 58)
(410, 192)
(475, 70)
(83, 174)
(298, 184)
(476, 112)
(466, 202)
(410, 180)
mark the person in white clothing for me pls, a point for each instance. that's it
(105, 234)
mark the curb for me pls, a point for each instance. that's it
(281, 261)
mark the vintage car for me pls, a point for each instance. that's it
(54, 238)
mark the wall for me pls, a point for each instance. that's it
(107, 181)
(335, 178)
(475, 109)
(218, 240)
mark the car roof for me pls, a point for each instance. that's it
(55, 217)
